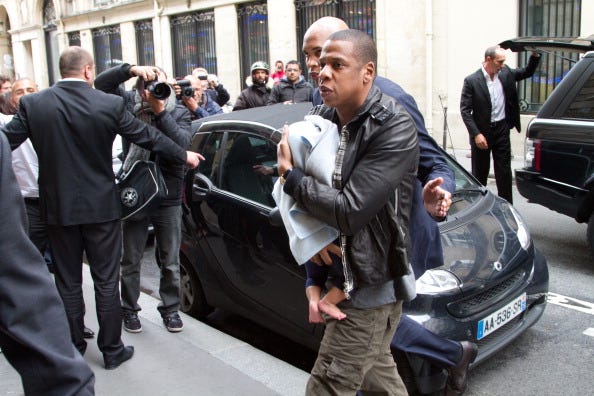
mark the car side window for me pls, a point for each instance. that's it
(212, 153)
(247, 167)
(583, 105)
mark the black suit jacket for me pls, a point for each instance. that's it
(72, 127)
(34, 332)
(475, 102)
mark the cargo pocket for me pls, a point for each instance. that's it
(346, 374)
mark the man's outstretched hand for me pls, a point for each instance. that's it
(436, 200)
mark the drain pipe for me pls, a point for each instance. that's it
(429, 66)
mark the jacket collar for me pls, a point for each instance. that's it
(373, 96)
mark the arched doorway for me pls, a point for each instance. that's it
(6, 57)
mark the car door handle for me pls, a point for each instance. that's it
(201, 187)
(274, 218)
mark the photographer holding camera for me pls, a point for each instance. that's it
(212, 86)
(173, 120)
(195, 98)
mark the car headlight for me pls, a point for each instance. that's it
(522, 231)
(436, 281)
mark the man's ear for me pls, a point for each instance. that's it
(368, 72)
(88, 72)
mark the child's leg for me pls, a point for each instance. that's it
(328, 304)
(313, 294)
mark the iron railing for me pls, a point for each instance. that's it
(253, 33)
(145, 45)
(107, 45)
(549, 18)
(193, 42)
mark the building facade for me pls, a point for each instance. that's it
(427, 46)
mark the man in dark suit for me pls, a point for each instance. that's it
(72, 127)
(34, 334)
(489, 107)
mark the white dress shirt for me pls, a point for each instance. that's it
(24, 164)
(497, 96)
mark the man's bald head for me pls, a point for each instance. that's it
(325, 26)
(73, 61)
(314, 39)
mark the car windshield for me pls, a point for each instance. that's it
(467, 191)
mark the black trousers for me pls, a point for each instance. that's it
(102, 243)
(499, 144)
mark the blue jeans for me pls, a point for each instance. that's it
(166, 222)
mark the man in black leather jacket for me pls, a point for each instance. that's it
(369, 203)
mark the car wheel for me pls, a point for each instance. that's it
(192, 299)
(590, 234)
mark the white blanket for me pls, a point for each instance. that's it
(314, 143)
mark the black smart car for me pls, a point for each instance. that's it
(235, 252)
(559, 146)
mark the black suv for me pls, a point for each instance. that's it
(559, 147)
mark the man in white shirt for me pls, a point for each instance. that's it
(490, 108)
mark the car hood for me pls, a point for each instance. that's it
(484, 247)
(549, 44)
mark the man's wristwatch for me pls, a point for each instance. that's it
(284, 176)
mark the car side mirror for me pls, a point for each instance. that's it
(201, 187)
(274, 218)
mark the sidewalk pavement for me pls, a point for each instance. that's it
(199, 360)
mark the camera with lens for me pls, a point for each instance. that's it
(159, 90)
(186, 88)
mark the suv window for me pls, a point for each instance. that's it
(583, 105)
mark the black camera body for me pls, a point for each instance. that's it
(159, 90)
(186, 88)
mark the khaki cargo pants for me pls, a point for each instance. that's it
(355, 354)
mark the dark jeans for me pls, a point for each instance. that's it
(166, 222)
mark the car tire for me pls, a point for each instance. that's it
(590, 234)
(192, 299)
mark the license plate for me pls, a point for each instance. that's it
(499, 318)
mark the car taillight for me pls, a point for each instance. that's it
(532, 154)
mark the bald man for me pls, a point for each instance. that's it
(72, 127)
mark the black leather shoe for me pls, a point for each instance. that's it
(88, 333)
(115, 361)
(457, 378)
